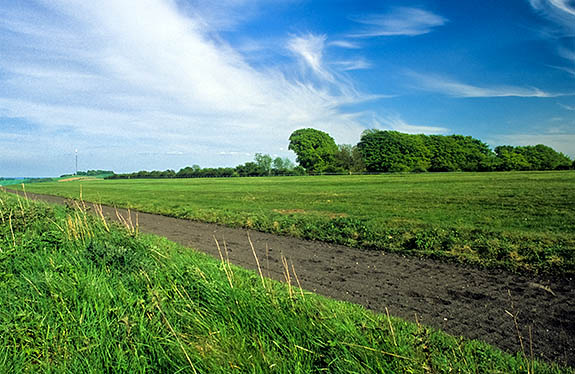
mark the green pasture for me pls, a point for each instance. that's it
(518, 220)
(79, 295)
(12, 182)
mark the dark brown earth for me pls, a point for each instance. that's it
(460, 300)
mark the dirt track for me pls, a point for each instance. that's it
(457, 299)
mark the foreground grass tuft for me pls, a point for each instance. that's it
(77, 295)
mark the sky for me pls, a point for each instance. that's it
(163, 84)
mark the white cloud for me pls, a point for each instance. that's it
(344, 44)
(310, 49)
(569, 55)
(562, 14)
(227, 15)
(235, 153)
(400, 21)
(396, 123)
(357, 64)
(144, 74)
(559, 11)
(564, 5)
(570, 71)
(568, 107)
(457, 89)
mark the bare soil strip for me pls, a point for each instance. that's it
(474, 303)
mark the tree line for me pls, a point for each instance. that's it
(393, 151)
(379, 151)
(88, 173)
(262, 165)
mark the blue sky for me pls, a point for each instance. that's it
(158, 84)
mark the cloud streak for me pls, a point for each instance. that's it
(562, 12)
(396, 123)
(454, 88)
(356, 64)
(569, 55)
(344, 44)
(400, 21)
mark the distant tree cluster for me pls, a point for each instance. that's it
(538, 157)
(89, 173)
(378, 151)
(263, 165)
(392, 151)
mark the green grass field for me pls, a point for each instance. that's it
(12, 182)
(80, 296)
(518, 220)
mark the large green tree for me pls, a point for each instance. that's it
(390, 151)
(315, 149)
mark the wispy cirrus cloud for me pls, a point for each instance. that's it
(399, 21)
(173, 86)
(355, 64)
(394, 122)
(568, 70)
(561, 12)
(567, 107)
(344, 44)
(454, 88)
(310, 48)
(569, 55)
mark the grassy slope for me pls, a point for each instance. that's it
(76, 297)
(520, 220)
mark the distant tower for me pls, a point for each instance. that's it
(76, 162)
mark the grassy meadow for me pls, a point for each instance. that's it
(79, 295)
(516, 220)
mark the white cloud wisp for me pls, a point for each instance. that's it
(457, 89)
(396, 123)
(309, 48)
(400, 21)
(562, 12)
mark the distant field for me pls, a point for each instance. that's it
(520, 220)
(11, 182)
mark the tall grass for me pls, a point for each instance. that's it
(78, 295)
